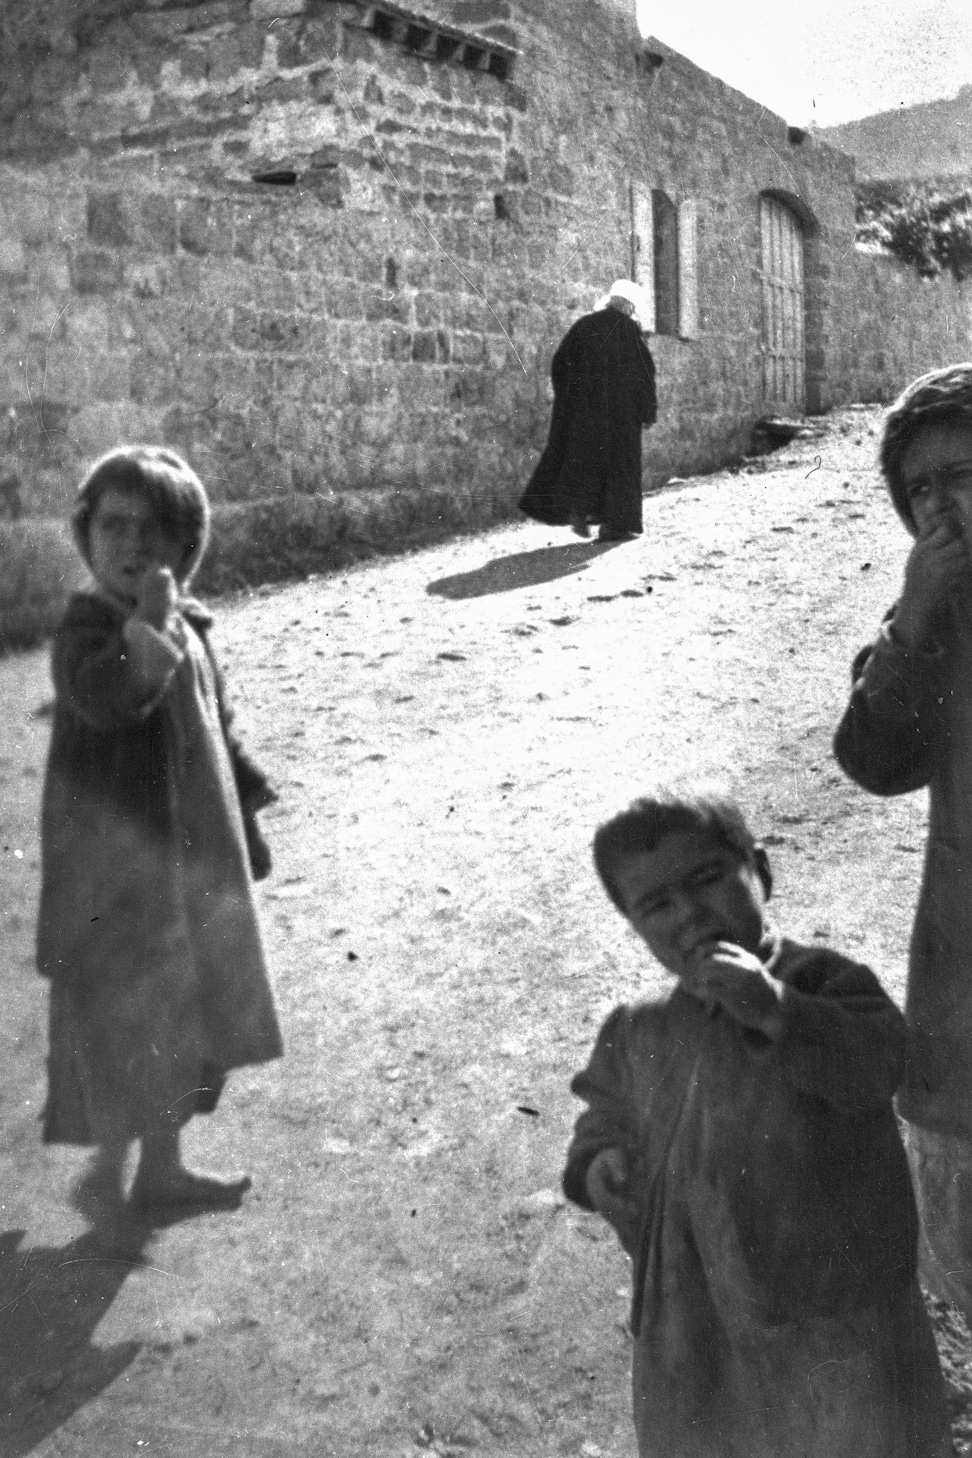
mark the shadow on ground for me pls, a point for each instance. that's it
(51, 1301)
(521, 569)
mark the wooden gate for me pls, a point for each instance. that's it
(783, 337)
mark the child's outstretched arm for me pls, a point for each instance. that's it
(602, 1153)
(608, 1187)
(109, 668)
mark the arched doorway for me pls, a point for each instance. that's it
(783, 342)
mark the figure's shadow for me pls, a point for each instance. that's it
(50, 1303)
(522, 569)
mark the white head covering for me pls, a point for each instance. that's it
(634, 294)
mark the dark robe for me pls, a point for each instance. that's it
(775, 1305)
(604, 393)
(909, 725)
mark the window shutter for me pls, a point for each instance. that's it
(643, 246)
(688, 272)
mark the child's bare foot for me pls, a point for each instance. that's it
(98, 1197)
(181, 1189)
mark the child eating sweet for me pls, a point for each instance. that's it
(908, 725)
(740, 1138)
(147, 926)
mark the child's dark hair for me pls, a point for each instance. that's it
(170, 486)
(942, 397)
(647, 821)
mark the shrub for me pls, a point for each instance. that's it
(926, 228)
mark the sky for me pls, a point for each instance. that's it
(823, 61)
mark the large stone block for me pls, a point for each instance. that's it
(95, 271)
(205, 226)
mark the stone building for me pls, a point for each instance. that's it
(327, 248)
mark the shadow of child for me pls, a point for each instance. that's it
(51, 1301)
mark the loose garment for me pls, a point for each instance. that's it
(604, 394)
(147, 925)
(909, 725)
(775, 1309)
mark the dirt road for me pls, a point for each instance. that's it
(446, 730)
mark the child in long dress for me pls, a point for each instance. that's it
(740, 1138)
(909, 725)
(148, 927)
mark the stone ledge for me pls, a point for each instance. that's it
(284, 538)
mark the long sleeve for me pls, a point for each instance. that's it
(110, 671)
(843, 1038)
(885, 740)
(609, 1121)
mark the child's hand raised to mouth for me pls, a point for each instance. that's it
(157, 596)
(936, 564)
(726, 974)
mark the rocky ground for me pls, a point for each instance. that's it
(446, 730)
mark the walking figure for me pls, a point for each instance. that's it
(604, 395)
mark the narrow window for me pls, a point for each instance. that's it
(664, 259)
(666, 262)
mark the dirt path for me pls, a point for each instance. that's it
(446, 730)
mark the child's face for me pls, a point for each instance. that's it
(125, 538)
(936, 470)
(688, 893)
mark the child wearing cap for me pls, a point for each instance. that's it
(909, 725)
(147, 928)
(740, 1138)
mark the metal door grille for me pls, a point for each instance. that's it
(783, 337)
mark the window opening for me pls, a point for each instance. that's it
(278, 177)
(665, 244)
(664, 260)
(417, 37)
(434, 41)
(445, 47)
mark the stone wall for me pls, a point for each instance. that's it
(903, 326)
(331, 268)
(378, 314)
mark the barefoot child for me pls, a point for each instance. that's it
(740, 1138)
(908, 725)
(147, 925)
